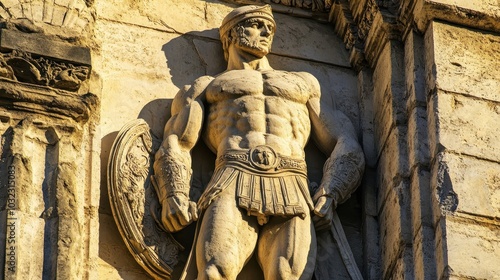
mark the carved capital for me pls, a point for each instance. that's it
(44, 77)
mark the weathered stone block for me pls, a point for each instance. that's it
(421, 202)
(23, 246)
(37, 10)
(491, 7)
(41, 45)
(441, 249)
(289, 41)
(338, 85)
(366, 96)
(167, 16)
(212, 56)
(402, 268)
(467, 61)
(414, 69)
(381, 98)
(395, 226)
(371, 247)
(473, 248)
(418, 145)
(16, 10)
(9, 3)
(115, 261)
(424, 253)
(58, 15)
(389, 87)
(145, 66)
(393, 163)
(466, 125)
(476, 183)
(147, 53)
(369, 190)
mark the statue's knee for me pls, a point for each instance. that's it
(216, 272)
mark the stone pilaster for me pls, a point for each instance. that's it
(49, 156)
(435, 121)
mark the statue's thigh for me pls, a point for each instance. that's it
(227, 236)
(287, 248)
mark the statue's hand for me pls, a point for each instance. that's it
(323, 208)
(178, 212)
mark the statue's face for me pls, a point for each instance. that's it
(255, 36)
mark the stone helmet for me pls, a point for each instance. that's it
(242, 13)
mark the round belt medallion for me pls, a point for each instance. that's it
(263, 157)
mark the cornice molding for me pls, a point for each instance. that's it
(42, 76)
(42, 100)
(479, 18)
(366, 26)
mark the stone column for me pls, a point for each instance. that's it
(49, 158)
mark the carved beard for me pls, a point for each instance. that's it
(243, 41)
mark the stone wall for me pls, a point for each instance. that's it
(419, 79)
(431, 77)
(463, 89)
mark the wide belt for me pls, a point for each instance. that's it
(263, 160)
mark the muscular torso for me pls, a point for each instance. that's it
(248, 108)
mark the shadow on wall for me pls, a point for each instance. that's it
(188, 57)
(193, 55)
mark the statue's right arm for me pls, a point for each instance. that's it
(172, 165)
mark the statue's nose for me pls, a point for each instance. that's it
(266, 31)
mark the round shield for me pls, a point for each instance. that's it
(134, 202)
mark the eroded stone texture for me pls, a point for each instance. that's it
(48, 141)
(468, 125)
(467, 61)
(463, 114)
(476, 183)
(473, 247)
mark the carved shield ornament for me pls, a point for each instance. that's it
(133, 200)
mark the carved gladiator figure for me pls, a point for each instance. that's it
(257, 120)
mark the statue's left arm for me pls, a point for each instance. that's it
(335, 136)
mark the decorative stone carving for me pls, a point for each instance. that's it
(134, 202)
(48, 122)
(259, 202)
(73, 16)
(43, 76)
(21, 66)
(315, 5)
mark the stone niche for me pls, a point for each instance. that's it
(148, 50)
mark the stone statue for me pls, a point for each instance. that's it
(257, 121)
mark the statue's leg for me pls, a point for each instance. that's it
(226, 240)
(287, 248)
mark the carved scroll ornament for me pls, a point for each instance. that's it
(21, 66)
(315, 5)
